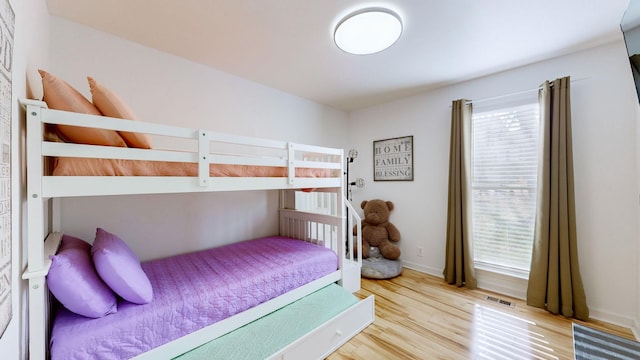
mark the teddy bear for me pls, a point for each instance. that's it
(377, 230)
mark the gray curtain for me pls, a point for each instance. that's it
(554, 279)
(459, 268)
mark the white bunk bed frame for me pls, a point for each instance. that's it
(43, 218)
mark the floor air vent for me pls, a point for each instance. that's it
(500, 301)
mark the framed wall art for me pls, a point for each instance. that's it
(393, 159)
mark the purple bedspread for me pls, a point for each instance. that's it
(192, 291)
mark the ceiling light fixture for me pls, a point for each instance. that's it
(368, 31)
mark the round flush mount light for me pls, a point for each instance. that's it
(368, 31)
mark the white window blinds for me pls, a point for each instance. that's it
(505, 163)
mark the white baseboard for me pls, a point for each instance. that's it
(615, 319)
(424, 269)
(636, 329)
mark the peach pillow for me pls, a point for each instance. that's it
(110, 104)
(61, 96)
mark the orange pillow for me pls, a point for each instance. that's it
(110, 104)
(61, 96)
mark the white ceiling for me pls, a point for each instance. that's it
(288, 45)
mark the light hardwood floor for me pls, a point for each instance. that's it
(419, 316)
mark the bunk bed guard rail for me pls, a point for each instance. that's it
(206, 148)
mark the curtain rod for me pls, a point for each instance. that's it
(518, 92)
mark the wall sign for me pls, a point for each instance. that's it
(393, 159)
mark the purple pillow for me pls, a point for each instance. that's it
(70, 242)
(119, 267)
(73, 280)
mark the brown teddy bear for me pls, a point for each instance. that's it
(377, 230)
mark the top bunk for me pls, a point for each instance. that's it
(208, 161)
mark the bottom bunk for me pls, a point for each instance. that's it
(191, 291)
(256, 288)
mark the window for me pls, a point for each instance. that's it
(504, 171)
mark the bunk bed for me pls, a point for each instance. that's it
(57, 170)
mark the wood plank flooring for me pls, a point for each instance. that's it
(419, 316)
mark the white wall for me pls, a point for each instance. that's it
(605, 157)
(166, 89)
(31, 50)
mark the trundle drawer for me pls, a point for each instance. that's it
(334, 333)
